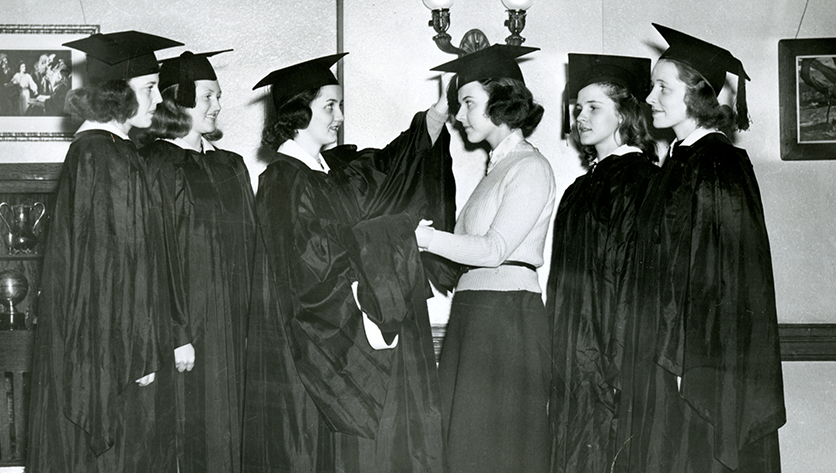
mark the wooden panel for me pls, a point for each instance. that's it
(18, 178)
(6, 413)
(13, 418)
(16, 352)
(15, 364)
(808, 342)
(30, 171)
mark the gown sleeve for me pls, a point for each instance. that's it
(413, 175)
(161, 170)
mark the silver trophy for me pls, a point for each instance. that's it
(22, 227)
(13, 289)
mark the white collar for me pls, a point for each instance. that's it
(620, 151)
(697, 134)
(205, 144)
(624, 149)
(504, 148)
(294, 150)
(109, 127)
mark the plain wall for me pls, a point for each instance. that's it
(387, 79)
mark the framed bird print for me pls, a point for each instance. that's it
(807, 94)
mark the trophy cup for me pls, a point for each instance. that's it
(13, 289)
(22, 235)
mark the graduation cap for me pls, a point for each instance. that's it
(184, 70)
(499, 60)
(633, 73)
(712, 62)
(630, 72)
(292, 80)
(121, 55)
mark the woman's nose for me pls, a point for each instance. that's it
(651, 97)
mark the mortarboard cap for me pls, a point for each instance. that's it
(292, 80)
(184, 70)
(632, 73)
(121, 55)
(499, 60)
(712, 62)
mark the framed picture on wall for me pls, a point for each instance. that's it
(807, 94)
(36, 73)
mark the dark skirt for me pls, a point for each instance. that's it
(494, 375)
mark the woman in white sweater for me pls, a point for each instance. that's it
(494, 367)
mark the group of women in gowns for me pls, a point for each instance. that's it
(103, 376)
(150, 255)
(297, 318)
(661, 288)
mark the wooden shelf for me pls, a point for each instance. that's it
(33, 257)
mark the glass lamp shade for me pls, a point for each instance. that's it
(517, 4)
(438, 4)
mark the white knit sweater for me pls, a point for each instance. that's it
(506, 218)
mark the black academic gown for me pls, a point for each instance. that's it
(210, 211)
(319, 398)
(586, 301)
(704, 310)
(105, 320)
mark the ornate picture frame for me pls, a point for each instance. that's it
(36, 72)
(807, 94)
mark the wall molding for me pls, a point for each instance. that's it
(799, 342)
(807, 342)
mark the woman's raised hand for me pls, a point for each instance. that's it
(444, 82)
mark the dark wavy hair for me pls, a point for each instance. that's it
(103, 102)
(509, 102)
(701, 102)
(294, 115)
(633, 130)
(172, 120)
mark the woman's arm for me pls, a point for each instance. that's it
(525, 193)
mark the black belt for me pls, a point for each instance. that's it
(505, 263)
